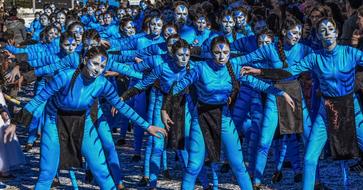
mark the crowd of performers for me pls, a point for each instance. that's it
(202, 78)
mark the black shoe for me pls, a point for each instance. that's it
(166, 174)
(356, 167)
(298, 178)
(277, 177)
(225, 168)
(144, 182)
(120, 142)
(89, 176)
(136, 158)
(28, 147)
(287, 164)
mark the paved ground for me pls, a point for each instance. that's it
(26, 177)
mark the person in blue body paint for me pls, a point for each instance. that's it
(89, 18)
(240, 15)
(139, 101)
(65, 102)
(217, 86)
(181, 13)
(44, 21)
(339, 110)
(281, 55)
(110, 30)
(77, 29)
(173, 68)
(35, 24)
(203, 33)
(61, 18)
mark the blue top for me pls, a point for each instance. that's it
(81, 96)
(214, 84)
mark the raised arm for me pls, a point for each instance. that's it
(126, 70)
(188, 79)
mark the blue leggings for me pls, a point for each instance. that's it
(249, 104)
(158, 147)
(91, 150)
(287, 147)
(270, 123)
(233, 150)
(38, 119)
(150, 113)
(318, 138)
(109, 149)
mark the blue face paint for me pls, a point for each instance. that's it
(103, 58)
(228, 18)
(221, 46)
(70, 40)
(181, 8)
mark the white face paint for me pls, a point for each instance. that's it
(327, 33)
(107, 19)
(96, 65)
(264, 39)
(129, 11)
(168, 15)
(201, 24)
(155, 26)
(44, 21)
(48, 11)
(61, 18)
(78, 32)
(169, 31)
(181, 14)
(135, 12)
(121, 13)
(143, 5)
(259, 26)
(89, 43)
(221, 53)
(69, 45)
(293, 35)
(228, 24)
(90, 11)
(240, 18)
(170, 44)
(182, 55)
(52, 34)
(129, 29)
(52, 6)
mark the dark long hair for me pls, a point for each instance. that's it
(235, 83)
(288, 24)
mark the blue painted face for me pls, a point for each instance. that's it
(221, 53)
(201, 24)
(89, 43)
(78, 32)
(259, 26)
(240, 18)
(228, 24)
(96, 65)
(69, 45)
(129, 29)
(182, 56)
(169, 31)
(156, 26)
(264, 40)
(293, 35)
(327, 33)
(181, 14)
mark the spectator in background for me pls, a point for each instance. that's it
(11, 155)
(350, 24)
(16, 25)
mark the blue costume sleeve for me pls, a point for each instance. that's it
(46, 60)
(111, 95)
(147, 63)
(149, 79)
(51, 68)
(49, 90)
(260, 85)
(121, 58)
(259, 54)
(188, 79)
(149, 51)
(125, 70)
